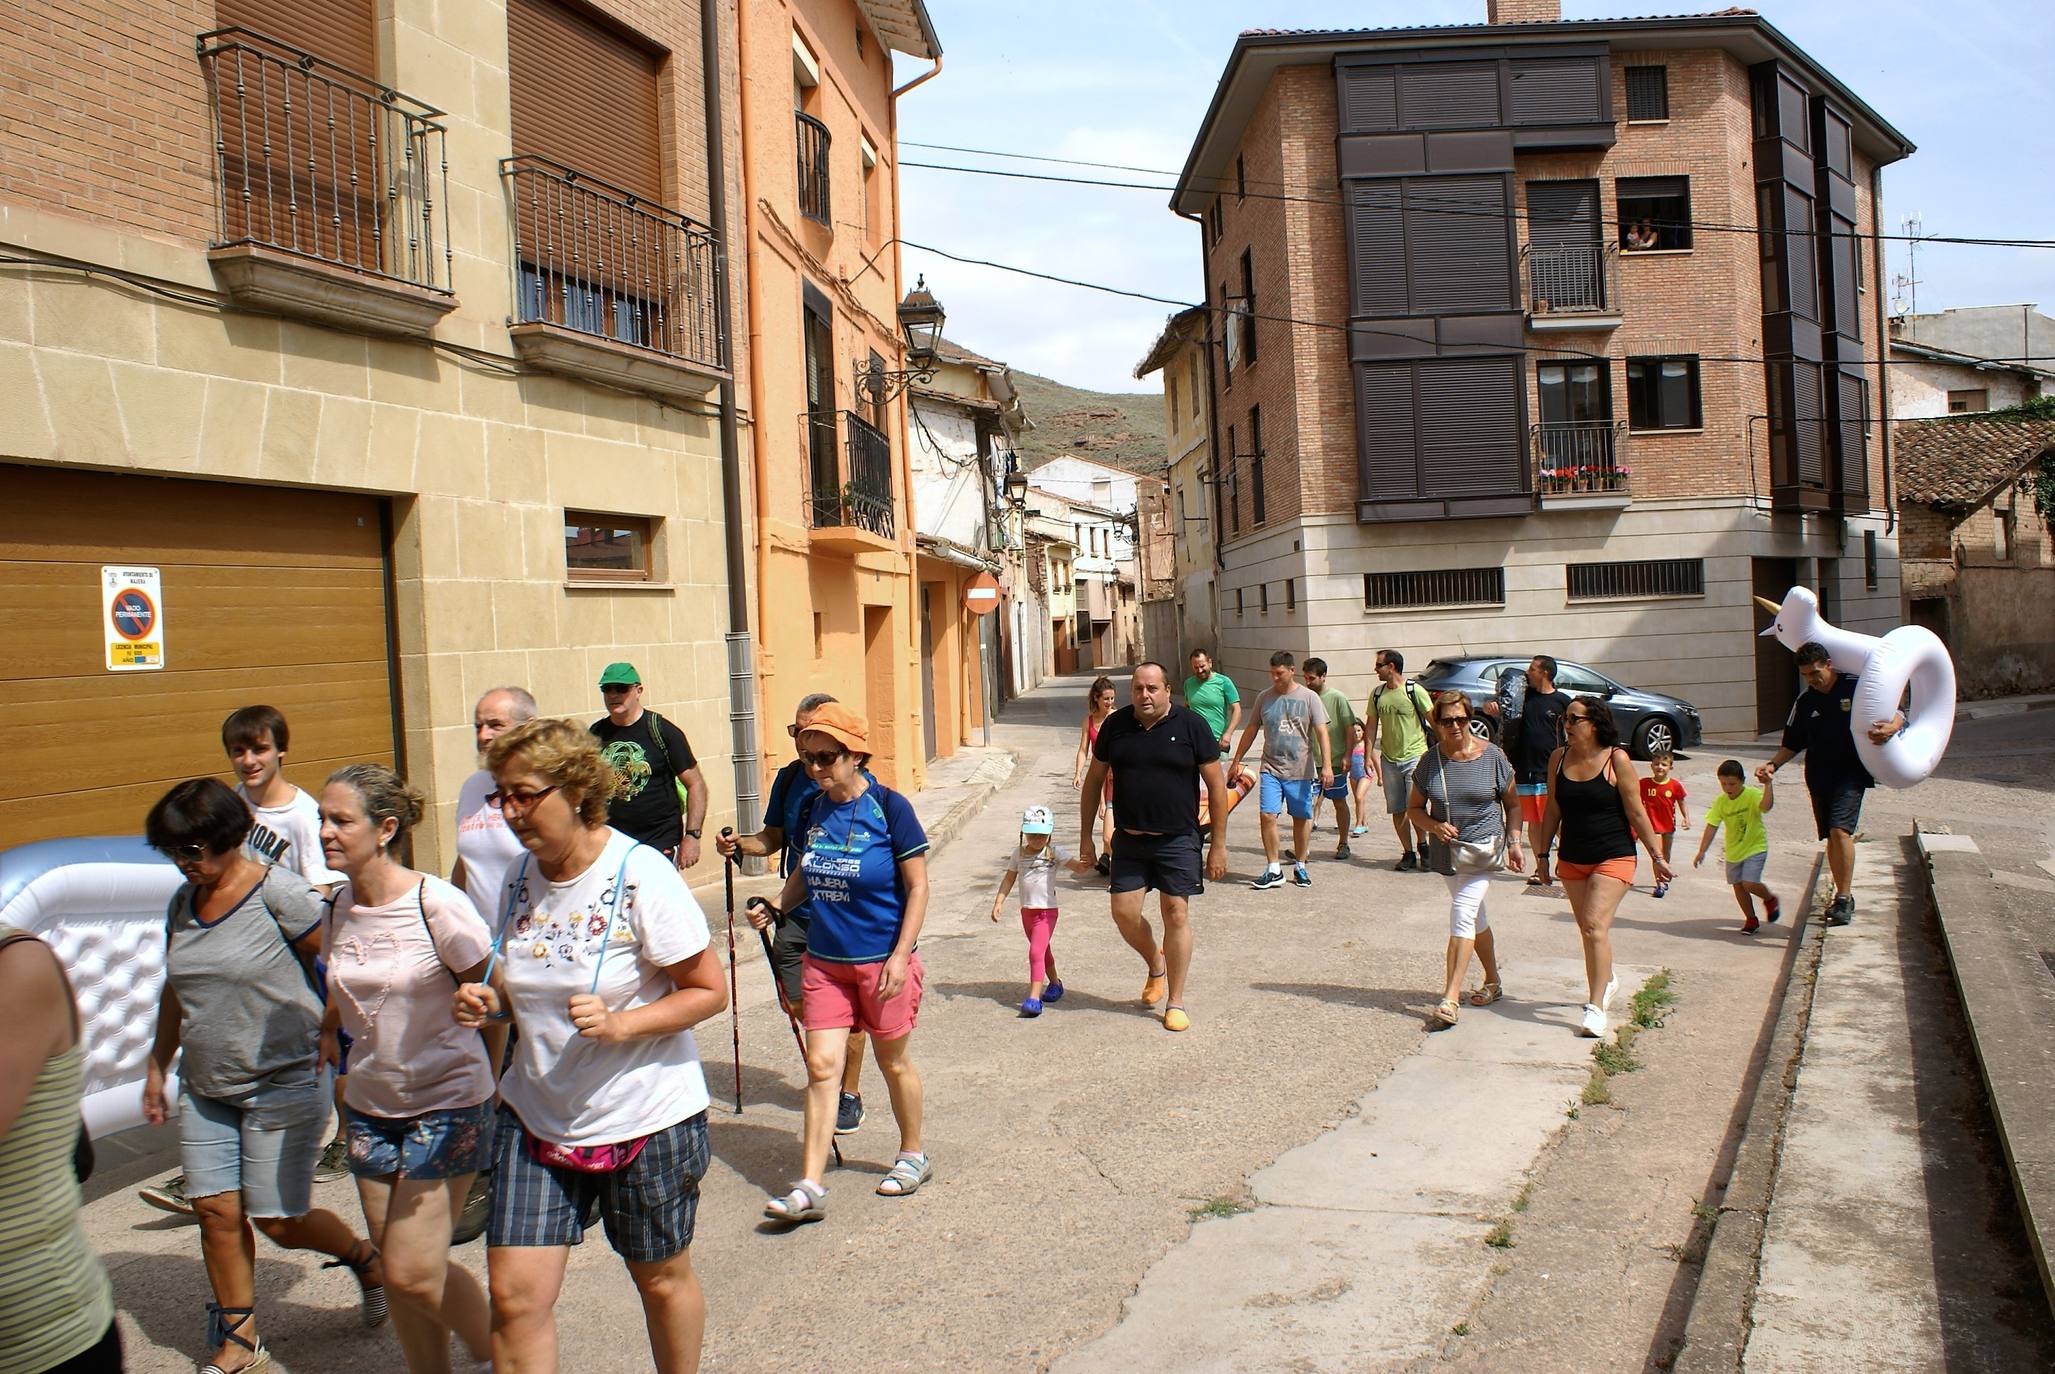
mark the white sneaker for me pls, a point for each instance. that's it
(1612, 985)
(1593, 1023)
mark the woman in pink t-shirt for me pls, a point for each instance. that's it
(420, 1088)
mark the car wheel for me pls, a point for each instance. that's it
(1656, 736)
(1480, 726)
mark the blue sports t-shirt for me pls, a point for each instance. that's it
(849, 857)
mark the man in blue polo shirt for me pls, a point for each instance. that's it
(1821, 726)
(791, 790)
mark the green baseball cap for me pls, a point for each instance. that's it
(620, 675)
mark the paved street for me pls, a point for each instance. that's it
(1072, 1152)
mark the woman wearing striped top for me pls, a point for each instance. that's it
(56, 1310)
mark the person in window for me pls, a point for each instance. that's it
(241, 1010)
(1643, 236)
(607, 965)
(863, 868)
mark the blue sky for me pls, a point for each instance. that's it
(1127, 81)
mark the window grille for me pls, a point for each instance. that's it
(1654, 577)
(1440, 587)
(1648, 93)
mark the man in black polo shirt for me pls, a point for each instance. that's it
(1162, 753)
(1821, 727)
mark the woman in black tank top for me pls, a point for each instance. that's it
(1594, 799)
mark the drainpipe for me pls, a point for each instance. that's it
(905, 465)
(741, 654)
(1212, 416)
(929, 75)
(1876, 212)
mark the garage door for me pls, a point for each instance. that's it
(269, 596)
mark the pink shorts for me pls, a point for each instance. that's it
(839, 996)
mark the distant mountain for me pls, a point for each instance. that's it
(1123, 429)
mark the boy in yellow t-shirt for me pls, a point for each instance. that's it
(1740, 811)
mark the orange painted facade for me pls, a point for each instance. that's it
(836, 602)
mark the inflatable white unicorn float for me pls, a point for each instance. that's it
(1909, 655)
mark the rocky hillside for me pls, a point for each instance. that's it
(1120, 428)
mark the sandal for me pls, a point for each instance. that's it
(1445, 1012)
(224, 1327)
(1486, 994)
(373, 1294)
(1540, 880)
(806, 1202)
(906, 1175)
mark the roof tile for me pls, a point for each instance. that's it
(1960, 462)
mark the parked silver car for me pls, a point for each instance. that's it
(1648, 720)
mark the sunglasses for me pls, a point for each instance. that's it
(1569, 720)
(1453, 720)
(518, 801)
(821, 758)
(183, 853)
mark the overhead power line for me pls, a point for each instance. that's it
(1429, 202)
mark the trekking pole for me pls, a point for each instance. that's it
(734, 1012)
(790, 1020)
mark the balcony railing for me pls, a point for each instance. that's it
(322, 163)
(1574, 280)
(849, 486)
(1581, 458)
(603, 261)
(813, 168)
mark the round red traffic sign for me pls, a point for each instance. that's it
(133, 613)
(981, 594)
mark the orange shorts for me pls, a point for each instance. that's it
(1623, 869)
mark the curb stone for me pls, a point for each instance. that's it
(1716, 1332)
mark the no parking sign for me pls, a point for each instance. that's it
(132, 618)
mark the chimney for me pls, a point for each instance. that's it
(1523, 11)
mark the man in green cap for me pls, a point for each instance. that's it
(662, 800)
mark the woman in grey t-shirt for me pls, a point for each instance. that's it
(1464, 801)
(240, 1001)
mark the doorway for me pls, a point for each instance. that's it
(927, 669)
(878, 694)
(1776, 668)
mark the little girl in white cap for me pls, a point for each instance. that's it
(1034, 861)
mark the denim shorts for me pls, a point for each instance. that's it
(443, 1144)
(649, 1207)
(265, 1145)
(1748, 870)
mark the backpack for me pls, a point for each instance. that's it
(1412, 690)
(656, 736)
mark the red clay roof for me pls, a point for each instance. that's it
(1961, 463)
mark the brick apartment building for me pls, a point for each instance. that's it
(406, 340)
(1536, 335)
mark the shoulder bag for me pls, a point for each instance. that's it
(1462, 858)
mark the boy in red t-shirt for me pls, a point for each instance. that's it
(1662, 797)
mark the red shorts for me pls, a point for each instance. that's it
(1623, 869)
(1533, 806)
(839, 996)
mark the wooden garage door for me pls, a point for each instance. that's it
(269, 596)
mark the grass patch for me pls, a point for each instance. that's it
(1615, 1056)
(1652, 1004)
(1526, 1196)
(1597, 1092)
(1500, 1237)
(1461, 1328)
(1220, 1207)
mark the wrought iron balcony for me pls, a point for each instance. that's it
(324, 177)
(849, 485)
(812, 137)
(1581, 463)
(1573, 287)
(627, 274)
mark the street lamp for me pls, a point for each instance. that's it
(920, 320)
(1016, 487)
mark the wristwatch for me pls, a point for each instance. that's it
(693, 833)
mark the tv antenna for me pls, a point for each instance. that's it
(1905, 285)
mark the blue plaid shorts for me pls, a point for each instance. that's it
(649, 1207)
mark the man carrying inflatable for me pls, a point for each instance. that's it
(1821, 727)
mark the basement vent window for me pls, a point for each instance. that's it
(1441, 587)
(1652, 578)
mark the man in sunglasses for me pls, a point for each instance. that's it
(791, 790)
(662, 800)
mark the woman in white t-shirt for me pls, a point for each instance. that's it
(607, 965)
(419, 1095)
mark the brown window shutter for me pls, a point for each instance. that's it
(584, 95)
(338, 31)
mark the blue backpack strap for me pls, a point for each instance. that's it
(506, 916)
(606, 939)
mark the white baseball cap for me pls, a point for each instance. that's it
(1036, 820)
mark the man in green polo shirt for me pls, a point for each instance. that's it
(1213, 696)
(1340, 716)
(1397, 724)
